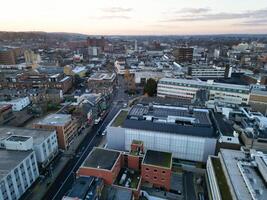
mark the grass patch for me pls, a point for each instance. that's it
(221, 179)
(120, 118)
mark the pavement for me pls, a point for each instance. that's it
(43, 184)
(65, 180)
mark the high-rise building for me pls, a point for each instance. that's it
(183, 54)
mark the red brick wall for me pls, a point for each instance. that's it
(133, 162)
(108, 176)
(159, 177)
(104, 174)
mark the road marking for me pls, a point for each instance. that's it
(71, 172)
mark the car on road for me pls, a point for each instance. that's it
(104, 132)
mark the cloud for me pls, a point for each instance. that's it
(114, 17)
(257, 22)
(251, 14)
(116, 10)
(194, 10)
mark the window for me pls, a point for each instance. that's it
(155, 170)
(147, 169)
(155, 178)
(163, 172)
(162, 179)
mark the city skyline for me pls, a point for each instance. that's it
(138, 17)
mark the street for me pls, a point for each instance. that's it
(66, 178)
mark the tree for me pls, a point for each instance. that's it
(130, 82)
(150, 87)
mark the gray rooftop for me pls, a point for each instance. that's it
(170, 119)
(11, 159)
(38, 135)
(101, 158)
(116, 193)
(158, 158)
(232, 159)
(199, 83)
(55, 120)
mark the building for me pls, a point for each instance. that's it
(37, 81)
(258, 99)
(7, 56)
(156, 169)
(85, 187)
(252, 128)
(187, 133)
(183, 54)
(209, 72)
(17, 104)
(102, 163)
(143, 76)
(18, 171)
(237, 175)
(43, 143)
(103, 83)
(219, 93)
(112, 166)
(65, 126)
(75, 70)
(6, 113)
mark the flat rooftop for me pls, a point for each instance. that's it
(11, 159)
(38, 135)
(199, 83)
(158, 158)
(102, 76)
(81, 187)
(101, 158)
(240, 169)
(55, 120)
(116, 193)
(167, 119)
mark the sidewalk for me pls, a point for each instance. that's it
(41, 186)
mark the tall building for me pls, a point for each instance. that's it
(65, 126)
(7, 56)
(188, 134)
(18, 171)
(183, 54)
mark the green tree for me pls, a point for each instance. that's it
(150, 87)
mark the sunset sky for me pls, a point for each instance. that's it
(131, 17)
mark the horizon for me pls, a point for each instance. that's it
(123, 17)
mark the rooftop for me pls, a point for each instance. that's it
(55, 120)
(158, 158)
(221, 179)
(120, 118)
(199, 83)
(101, 158)
(102, 76)
(244, 174)
(167, 119)
(116, 193)
(38, 135)
(81, 187)
(11, 159)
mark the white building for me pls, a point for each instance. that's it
(18, 171)
(237, 175)
(210, 72)
(219, 93)
(43, 143)
(187, 134)
(18, 104)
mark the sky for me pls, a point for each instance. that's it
(135, 17)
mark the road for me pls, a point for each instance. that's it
(66, 178)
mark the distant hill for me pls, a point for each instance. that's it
(40, 35)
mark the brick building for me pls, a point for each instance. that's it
(156, 169)
(65, 126)
(6, 113)
(43, 81)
